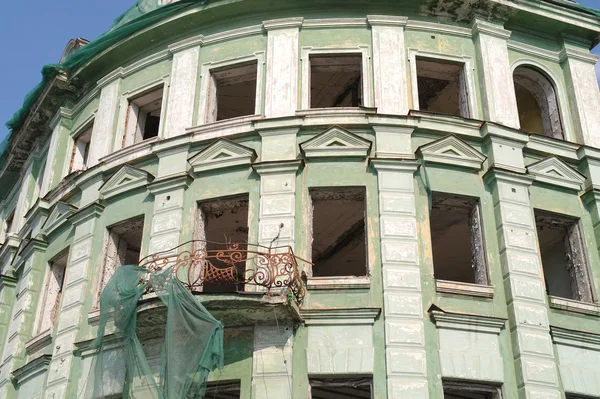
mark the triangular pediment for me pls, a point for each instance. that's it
(222, 153)
(336, 142)
(554, 171)
(59, 215)
(125, 179)
(452, 151)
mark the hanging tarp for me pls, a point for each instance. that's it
(193, 341)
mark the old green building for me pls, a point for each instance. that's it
(378, 199)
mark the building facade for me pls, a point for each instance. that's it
(420, 178)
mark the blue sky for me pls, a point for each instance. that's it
(34, 33)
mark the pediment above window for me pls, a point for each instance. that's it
(336, 142)
(451, 150)
(58, 216)
(554, 171)
(125, 179)
(222, 154)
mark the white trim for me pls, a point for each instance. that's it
(436, 27)
(530, 50)
(469, 68)
(336, 283)
(561, 95)
(328, 23)
(124, 72)
(233, 34)
(205, 72)
(459, 288)
(367, 74)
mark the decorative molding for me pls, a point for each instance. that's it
(283, 23)
(555, 172)
(38, 365)
(170, 182)
(232, 34)
(575, 338)
(458, 288)
(195, 41)
(264, 168)
(328, 23)
(571, 54)
(8, 281)
(468, 322)
(574, 306)
(453, 151)
(336, 283)
(548, 145)
(222, 153)
(126, 178)
(487, 28)
(534, 51)
(93, 210)
(340, 316)
(506, 176)
(336, 142)
(39, 342)
(386, 20)
(27, 249)
(436, 27)
(123, 72)
(59, 215)
(394, 164)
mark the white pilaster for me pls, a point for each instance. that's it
(182, 93)
(24, 200)
(282, 67)
(402, 292)
(389, 64)
(583, 93)
(104, 123)
(272, 362)
(499, 100)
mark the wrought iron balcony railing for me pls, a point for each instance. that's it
(205, 266)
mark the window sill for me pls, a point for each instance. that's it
(332, 283)
(458, 288)
(336, 110)
(132, 151)
(574, 306)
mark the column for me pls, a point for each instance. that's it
(21, 322)
(402, 292)
(54, 166)
(499, 99)
(537, 373)
(81, 270)
(582, 90)
(282, 67)
(104, 122)
(182, 91)
(389, 64)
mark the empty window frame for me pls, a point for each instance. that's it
(81, 150)
(457, 239)
(223, 390)
(537, 103)
(143, 117)
(223, 224)
(339, 244)
(54, 284)
(442, 87)
(341, 388)
(564, 260)
(336, 80)
(232, 92)
(465, 390)
(122, 247)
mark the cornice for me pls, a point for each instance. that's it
(191, 42)
(62, 114)
(506, 176)
(438, 28)
(575, 338)
(529, 50)
(264, 168)
(469, 322)
(233, 34)
(39, 342)
(283, 23)
(328, 23)
(348, 316)
(123, 72)
(571, 54)
(503, 134)
(394, 164)
(548, 145)
(479, 26)
(171, 182)
(93, 210)
(10, 246)
(34, 245)
(386, 20)
(8, 282)
(38, 365)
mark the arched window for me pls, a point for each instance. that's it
(537, 103)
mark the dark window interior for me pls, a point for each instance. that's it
(341, 388)
(442, 87)
(335, 81)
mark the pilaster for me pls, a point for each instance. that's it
(282, 66)
(590, 166)
(584, 99)
(402, 291)
(499, 100)
(73, 313)
(182, 91)
(29, 267)
(537, 372)
(389, 64)
(272, 362)
(104, 122)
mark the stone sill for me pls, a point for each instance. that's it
(574, 306)
(334, 283)
(458, 288)
(135, 148)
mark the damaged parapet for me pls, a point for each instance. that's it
(199, 263)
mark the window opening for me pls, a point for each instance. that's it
(53, 291)
(123, 246)
(341, 388)
(143, 117)
(457, 239)
(455, 390)
(537, 103)
(339, 245)
(442, 87)
(232, 92)
(563, 256)
(222, 390)
(223, 223)
(81, 150)
(335, 81)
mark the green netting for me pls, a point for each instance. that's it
(192, 347)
